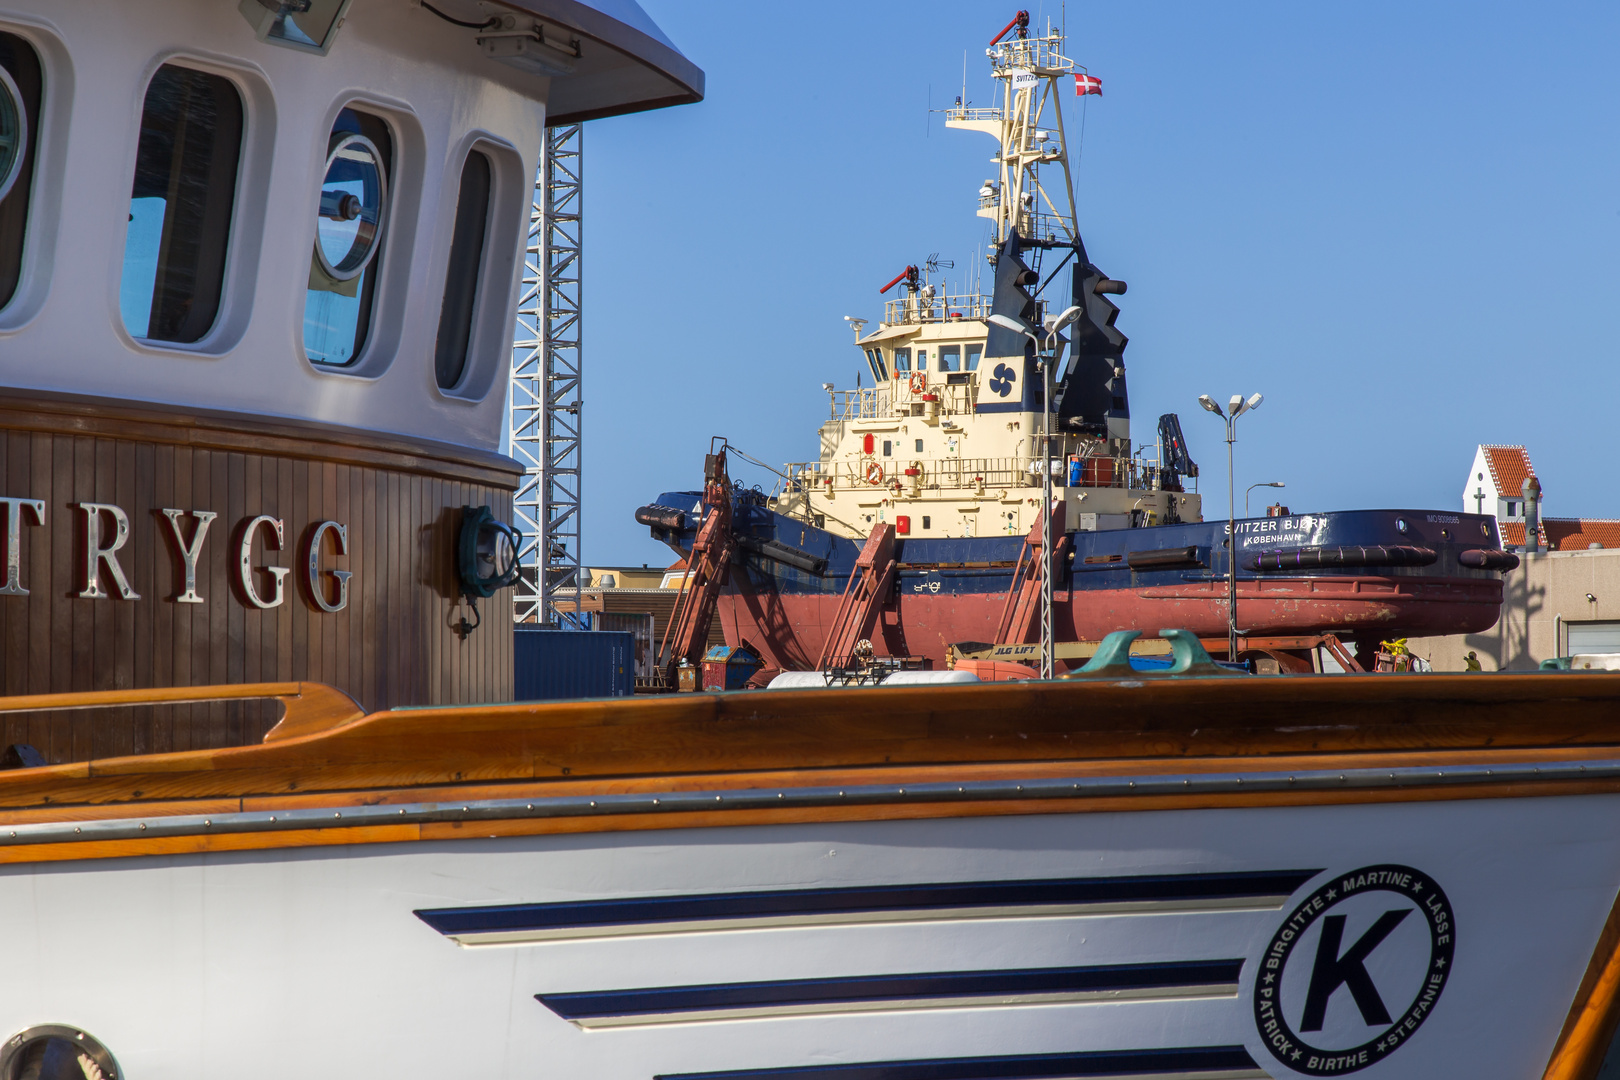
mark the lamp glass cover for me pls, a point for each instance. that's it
(354, 197)
(13, 133)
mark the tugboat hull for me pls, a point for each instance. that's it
(788, 580)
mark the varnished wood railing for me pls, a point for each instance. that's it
(307, 707)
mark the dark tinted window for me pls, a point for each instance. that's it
(180, 208)
(461, 284)
(21, 63)
(337, 311)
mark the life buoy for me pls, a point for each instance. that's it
(874, 472)
(919, 382)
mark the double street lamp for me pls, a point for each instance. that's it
(1052, 328)
(1234, 409)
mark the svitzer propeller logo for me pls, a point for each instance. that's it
(1355, 970)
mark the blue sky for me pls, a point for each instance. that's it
(1399, 222)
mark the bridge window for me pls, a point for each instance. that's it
(922, 359)
(20, 85)
(461, 280)
(902, 360)
(973, 353)
(950, 358)
(180, 205)
(349, 234)
(874, 356)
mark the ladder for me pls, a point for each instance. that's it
(1020, 612)
(869, 585)
(708, 568)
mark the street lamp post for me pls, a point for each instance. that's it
(1251, 487)
(1234, 409)
(1053, 328)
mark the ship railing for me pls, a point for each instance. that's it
(998, 472)
(1044, 226)
(866, 473)
(1040, 54)
(866, 403)
(963, 112)
(931, 309)
(899, 399)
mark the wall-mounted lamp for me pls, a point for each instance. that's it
(309, 25)
(486, 559)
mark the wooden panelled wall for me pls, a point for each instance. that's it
(396, 643)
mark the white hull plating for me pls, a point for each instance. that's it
(313, 962)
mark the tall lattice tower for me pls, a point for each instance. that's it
(546, 387)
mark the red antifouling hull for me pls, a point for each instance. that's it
(790, 629)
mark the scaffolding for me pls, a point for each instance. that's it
(546, 406)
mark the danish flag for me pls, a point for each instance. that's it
(1087, 84)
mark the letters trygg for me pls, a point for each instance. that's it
(103, 540)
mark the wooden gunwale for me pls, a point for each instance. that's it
(1097, 728)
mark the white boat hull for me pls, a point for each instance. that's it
(313, 961)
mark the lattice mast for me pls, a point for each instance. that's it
(1033, 73)
(546, 388)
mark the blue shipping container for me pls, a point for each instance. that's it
(549, 665)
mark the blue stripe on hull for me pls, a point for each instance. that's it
(913, 990)
(937, 564)
(950, 896)
(1191, 1061)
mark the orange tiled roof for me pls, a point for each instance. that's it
(1513, 534)
(1510, 468)
(1577, 534)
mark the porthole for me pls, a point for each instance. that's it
(13, 132)
(354, 193)
(1400, 524)
(56, 1052)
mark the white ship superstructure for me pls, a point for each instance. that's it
(949, 440)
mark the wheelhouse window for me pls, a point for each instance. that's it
(950, 358)
(973, 354)
(874, 357)
(180, 207)
(349, 235)
(922, 359)
(461, 280)
(902, 360)
(20, 84)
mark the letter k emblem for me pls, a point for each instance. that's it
(1333, 971)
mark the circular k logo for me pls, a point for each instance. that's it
(1368, 942)
(1001, 380)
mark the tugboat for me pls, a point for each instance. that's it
(259, 817)
(929, 480)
